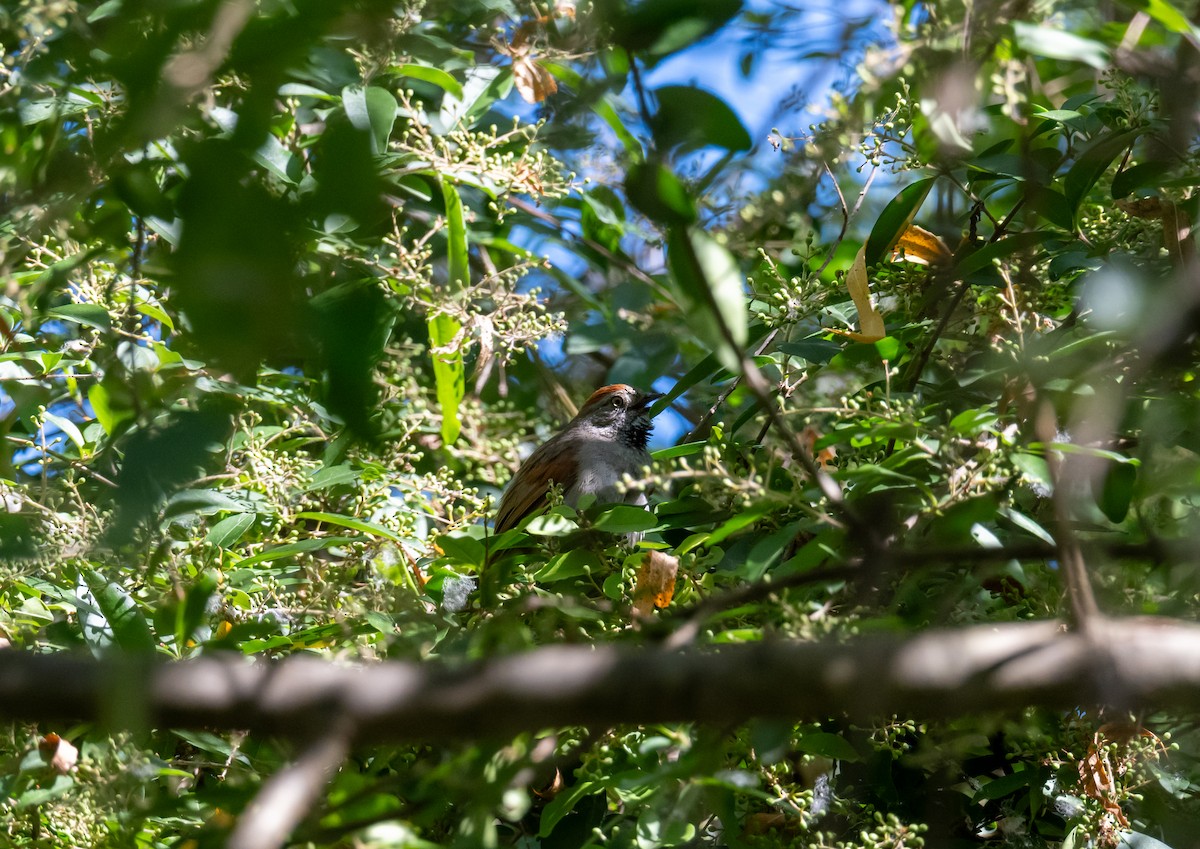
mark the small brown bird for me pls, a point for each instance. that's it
(597, 448)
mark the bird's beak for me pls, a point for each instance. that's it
(645, 400)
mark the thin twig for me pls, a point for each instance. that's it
(695, 432)
(288, 796)
(1081, 601)
(918, 365)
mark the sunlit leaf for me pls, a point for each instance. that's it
(1057, 43)
(89, 315)
(624, 519)
(916, 244)
(448, 372)
(230, 529)
(429, 74)
(372, 109)
(122, 622)
(895, 219)
(870, 322)
(571, 564)
(713, 288)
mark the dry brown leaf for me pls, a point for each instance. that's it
(534, 83)
(825, 456)
(918, 245)
(1097, 778)
(655, 582)
(553, 788)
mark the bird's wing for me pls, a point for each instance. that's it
(526, 493)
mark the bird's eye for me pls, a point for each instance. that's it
(617, 402)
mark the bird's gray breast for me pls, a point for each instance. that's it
(602, 466)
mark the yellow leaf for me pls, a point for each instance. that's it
(870, 322)
(916, 244)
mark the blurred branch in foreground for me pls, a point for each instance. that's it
(1128, 664)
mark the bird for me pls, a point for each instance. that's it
(590, 456)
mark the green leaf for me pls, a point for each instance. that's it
(606, 109)
(155, 312)
(552, 524)
(624, 519)
(767, 552)
(684, 449)
(483, 86)
(67, 426)
(40, 795)
(278, 160)
(461, 548)
(214, 744)
(827, 745)
(230, 529)
(975, 421)
(1052, 205)
(1167, 15)
(1034, 468)
(194, 610)
(998, 788)
(349, 522)
(1060, 115)
(660, 195)
(1027, 524)
(436, 76)
(1057, 43)
(448, 372)
(202, 502)
(813, 350)
(292, 548)
(1002, 249)
(373, 110)
(1092, 162)
(1116, 492)
(563, 804)
(691, 118)
(129, 629)
(571, 564)
(458, 269)
(661, 28)
(1145, 175)
(712, 288)
(330, 476)
(895, 219)
(1137, 840)
(888, 348)
(89, 315)
(733, 525)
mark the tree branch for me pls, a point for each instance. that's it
(288, 795)
(1128, 664)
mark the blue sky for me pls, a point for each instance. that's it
(795, 68)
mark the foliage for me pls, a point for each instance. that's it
(289, 292)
